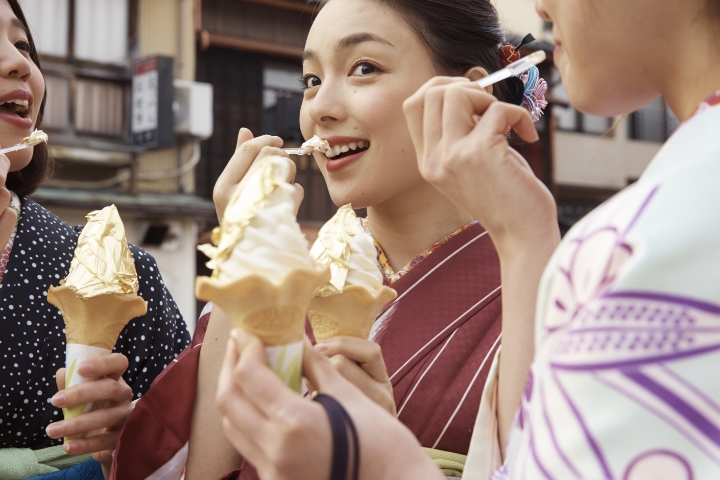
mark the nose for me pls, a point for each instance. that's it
(13, 64)
(540, 9)
(327, 106)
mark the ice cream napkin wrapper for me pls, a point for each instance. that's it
(263, 276)
(99, 295)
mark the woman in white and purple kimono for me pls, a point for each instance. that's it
(623, 334)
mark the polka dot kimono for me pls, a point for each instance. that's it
(32, 334)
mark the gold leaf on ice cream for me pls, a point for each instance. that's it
(35, 137)
(102, 264)
(249, 197)
(332, 248)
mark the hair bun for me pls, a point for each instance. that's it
(516, 89)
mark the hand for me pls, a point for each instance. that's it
(8, 217)
(113, 404)
(459, 133)
(247, 151)
(361, 362)
(286, 436)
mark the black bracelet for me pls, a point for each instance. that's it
(345, 440)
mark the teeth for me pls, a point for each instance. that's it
(336, 150)
(17, 105)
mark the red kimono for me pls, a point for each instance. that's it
(438, 339)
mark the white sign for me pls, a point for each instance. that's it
(145, 97)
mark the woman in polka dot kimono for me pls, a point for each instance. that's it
(38, 248)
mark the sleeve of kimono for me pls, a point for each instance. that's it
(152, 341)
(484, 455)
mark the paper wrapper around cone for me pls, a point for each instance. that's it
(92, 327)
(275, 313)
(350, 313)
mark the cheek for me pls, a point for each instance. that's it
(306, 123)
(20, 159)
(37, 87)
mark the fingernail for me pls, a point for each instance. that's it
(239, 336)
(54, 431)
(58, 399)
(321, 346)
(67, 447)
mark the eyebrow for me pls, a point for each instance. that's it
(349, 41)
(15, 22)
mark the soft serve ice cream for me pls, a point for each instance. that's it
(349, 303)
(263, 276)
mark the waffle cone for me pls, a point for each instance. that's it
(275, 313)
(350, 313)
(95, 321)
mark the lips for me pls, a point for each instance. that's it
(343, 151)
(15, 108)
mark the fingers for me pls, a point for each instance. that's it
(244, 135)
(4, 168)
(115, 391)
(319, 371)
(112, 417)
(258, 383)
(461, 106)
(500, 117)
(60, 379)
(367, 354)
(8, 219)
(95, 443)
(112, 366)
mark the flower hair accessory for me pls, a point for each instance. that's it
(535, 87)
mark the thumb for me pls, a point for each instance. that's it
(60, 379)
(318, 370)
(243, 136)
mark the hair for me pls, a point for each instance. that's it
(459, 35)
(41, 166)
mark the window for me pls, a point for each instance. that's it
(282, 98)
(100, 107)
(56, 107)
(571, 120)
(653, 123)
(100, 28)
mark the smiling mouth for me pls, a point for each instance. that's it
(337, 152)
(17, 107)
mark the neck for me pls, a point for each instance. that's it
(411, 222)
(691, 71)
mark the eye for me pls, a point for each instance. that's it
(309, 81)
(363, 68)
(23, 46)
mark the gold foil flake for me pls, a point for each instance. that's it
(332, 248)
(249, 197)
(103, 264)
(36, 137)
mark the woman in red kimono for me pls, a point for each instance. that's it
(363, 59)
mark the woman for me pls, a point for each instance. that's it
(623, 382)
(37, 254)
(362, 60)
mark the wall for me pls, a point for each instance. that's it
(519, 17)
(601, 162)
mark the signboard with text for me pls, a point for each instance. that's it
(152, 121)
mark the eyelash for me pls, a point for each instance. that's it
(304, 79)
(23, 46)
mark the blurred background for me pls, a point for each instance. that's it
(145, 99)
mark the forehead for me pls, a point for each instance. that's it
(342, 18)
(8, 18)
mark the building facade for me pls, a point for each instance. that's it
(87, 49)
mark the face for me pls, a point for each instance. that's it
(361, 62)
(610, 56)
(21, 87)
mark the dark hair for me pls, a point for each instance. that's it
(41, 166)
(460, 35)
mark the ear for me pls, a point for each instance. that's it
(475, 74)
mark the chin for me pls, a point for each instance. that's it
(20, 159)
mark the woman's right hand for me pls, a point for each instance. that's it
(247, 151)
(460, 136)
(286, 436)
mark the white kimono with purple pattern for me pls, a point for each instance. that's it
(626, 378)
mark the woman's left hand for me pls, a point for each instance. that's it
(113, 405)
(361, 362)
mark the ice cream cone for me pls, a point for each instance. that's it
(95, 321)
(275, 313)
(350, 313)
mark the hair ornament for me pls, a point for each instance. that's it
(535, 87)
